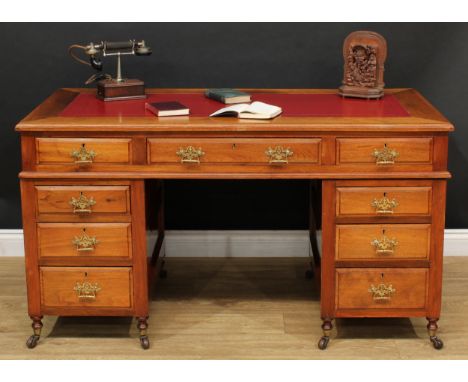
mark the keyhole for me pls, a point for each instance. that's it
(384, 194)
(83, 145)
(233, 146)
(383, 231)
(86, 274)
(385, 145)
(382, 275)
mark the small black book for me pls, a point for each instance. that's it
(167, 109)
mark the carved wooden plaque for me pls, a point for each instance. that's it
(364, 54)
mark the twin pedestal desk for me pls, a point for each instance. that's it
(92, 185)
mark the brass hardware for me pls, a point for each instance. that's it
(82, 204)
(85, 243)
(384, 205)
(384, 246)
(279, 155)
(382, 291)
(385, 155)
(190, 154)
(83, 156)
(87, 290)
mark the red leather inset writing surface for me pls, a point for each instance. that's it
(293, 105)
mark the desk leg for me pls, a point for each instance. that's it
(140, 271)
(439, 190)
(28, 206)
(161, 229)
(314, 216)
(142, 325)
(37, 327)
(327, 282)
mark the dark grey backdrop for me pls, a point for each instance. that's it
(432, 58)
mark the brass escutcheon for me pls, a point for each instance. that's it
(278, 155)
(385, 156)
(190, 154)
(83, 156)
(85, 243)
(82, 204)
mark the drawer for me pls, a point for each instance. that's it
(383, 201)
(83, 151)
(384, 151)
(376, 241)
(382, 288)
(83, 201)
(236, 151)
(86, 287)
(89, 241)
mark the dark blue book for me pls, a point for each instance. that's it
(228, 96)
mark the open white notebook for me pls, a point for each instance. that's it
(256, 110)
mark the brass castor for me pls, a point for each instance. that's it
(309, 274)
(323, 343)
(32, 341)
(162, 274)
(144, 342)
(436, 342)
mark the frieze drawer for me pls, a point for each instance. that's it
(83, 152)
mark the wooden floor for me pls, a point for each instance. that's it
(242, 308)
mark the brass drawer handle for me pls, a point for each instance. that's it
(382, 292)
(82, 204)
(384, 205)
(385, 155)
(87, 290)
(384, 246)
(83, 156)
(190, 154)
(278, 155)
(85, 243)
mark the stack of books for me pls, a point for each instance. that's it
(255, 110)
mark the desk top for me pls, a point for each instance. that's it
(303, 110)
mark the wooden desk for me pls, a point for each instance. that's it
(89, 167)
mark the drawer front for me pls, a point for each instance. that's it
(382, 288)
(376, 241)
(83, 151)
(86, 287)
(383, 201)
(85, 201)
(384, 152)
(91, 240)
(236, 151)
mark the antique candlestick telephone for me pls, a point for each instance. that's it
(108, 88)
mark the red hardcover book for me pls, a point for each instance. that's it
(167, 109)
